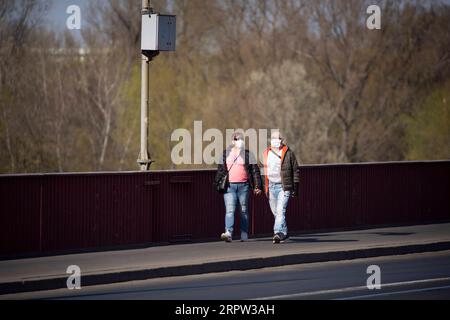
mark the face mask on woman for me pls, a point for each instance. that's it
(239, 144)
(275, 143)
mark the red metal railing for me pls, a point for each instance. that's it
(46, 213)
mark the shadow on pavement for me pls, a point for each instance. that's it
(310, 240)
(393, 233)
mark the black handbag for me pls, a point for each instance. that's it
(222, 184)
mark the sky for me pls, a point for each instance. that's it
(57, 16)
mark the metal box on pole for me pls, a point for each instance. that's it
(158, 32)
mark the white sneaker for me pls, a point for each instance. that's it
(244, 236)
(226, 236)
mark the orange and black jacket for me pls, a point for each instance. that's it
(290, 173)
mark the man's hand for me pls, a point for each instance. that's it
(295, 191)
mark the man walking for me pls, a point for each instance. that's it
(281, 182)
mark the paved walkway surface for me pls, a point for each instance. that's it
(173, 260)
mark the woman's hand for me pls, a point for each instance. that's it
(257, 191)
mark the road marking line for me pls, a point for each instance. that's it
(320, 292)
(394, 293)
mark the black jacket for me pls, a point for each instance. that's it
(251, 166)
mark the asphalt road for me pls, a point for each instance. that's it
(417, 276)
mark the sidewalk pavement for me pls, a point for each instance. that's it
(48, 273)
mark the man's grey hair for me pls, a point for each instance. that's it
(282, 137)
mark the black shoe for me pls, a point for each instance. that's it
(277, 238)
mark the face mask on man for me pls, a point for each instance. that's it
(239, 144)
(275, 143)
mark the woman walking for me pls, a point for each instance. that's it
(237, 174)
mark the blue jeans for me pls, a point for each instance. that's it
(278, 200)
(236, 192)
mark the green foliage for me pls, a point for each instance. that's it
(127, 127)
(428, 130)
(341, 93)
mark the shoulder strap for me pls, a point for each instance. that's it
(279, 157)
(234, 161)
